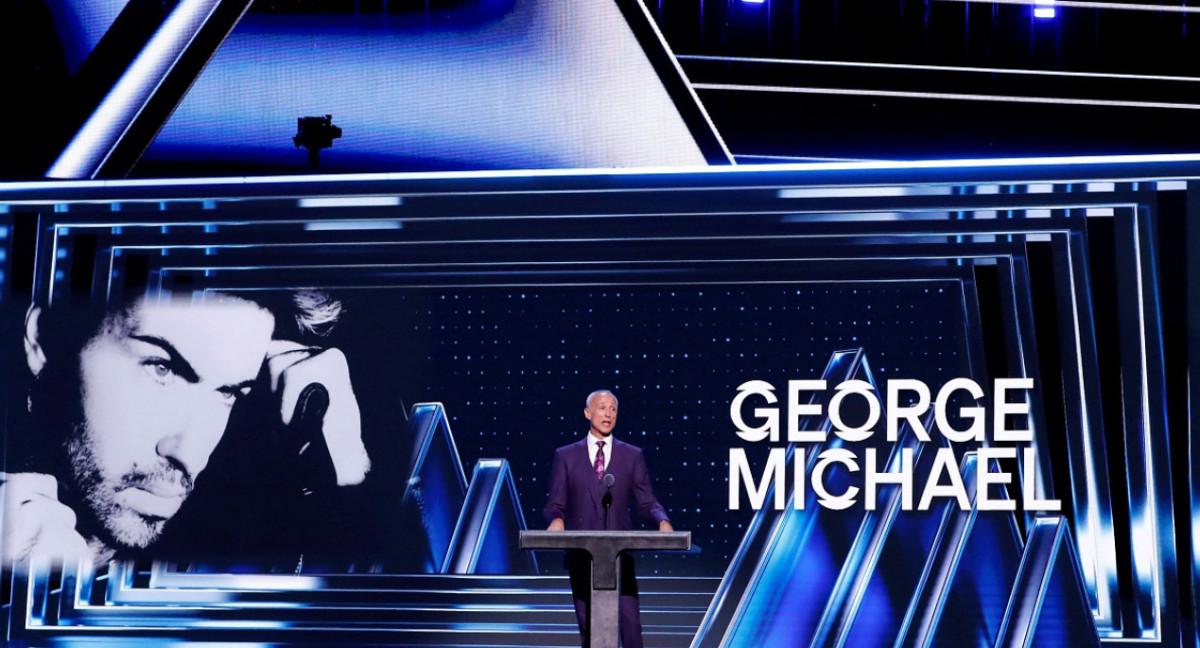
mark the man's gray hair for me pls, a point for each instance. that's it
(599, 392)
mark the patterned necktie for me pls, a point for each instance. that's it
(599, 465)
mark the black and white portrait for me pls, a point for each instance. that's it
(129, 407)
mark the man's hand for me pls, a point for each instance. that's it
(35, 522)
(557, 525)
(665, 525)
(293, 367)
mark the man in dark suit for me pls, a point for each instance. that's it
(577, 494)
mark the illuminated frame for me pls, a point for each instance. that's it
(1132, 209)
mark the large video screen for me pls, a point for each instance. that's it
(889, 405)
(360, 357)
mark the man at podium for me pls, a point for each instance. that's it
(593, 484)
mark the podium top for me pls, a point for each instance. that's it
(619, 540)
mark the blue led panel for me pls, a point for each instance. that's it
(676, 296)
(1046, 608)
(491, 519)
(536, 84)
(435, 486)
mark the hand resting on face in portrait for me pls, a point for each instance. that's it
(294, 369)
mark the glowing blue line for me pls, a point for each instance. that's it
(349, 226)
(1094, 5)
(662, 41)
(557, 266)
(935, 68)
(1149, 546)
(935, 212)
(931, 213)
(351, 201)
(936, 227)
(952, 96)
(54, 266)
(1090, 533)
(111, 261)
(864, 192)
(797, 159)
(350, 178)
(556, 270)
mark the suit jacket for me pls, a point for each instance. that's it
(576, 494)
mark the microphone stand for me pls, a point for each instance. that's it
(606, 501)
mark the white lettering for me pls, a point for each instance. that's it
(1001, 409)
(863, 431)
(773, 475)
(973, 414)
(798, 409)
(874, 478)
(770, 426)
(824, 460)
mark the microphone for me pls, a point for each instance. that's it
(606, 501)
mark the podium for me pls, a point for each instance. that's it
(604, 547)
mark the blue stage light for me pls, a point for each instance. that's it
(1044, 9)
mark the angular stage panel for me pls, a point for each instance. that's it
(435, 487)
(888, 574)
(816, 581)
(982, 577)
(753, 588)
(1048, 604)
(490, 520)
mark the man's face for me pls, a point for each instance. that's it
(157, 385)
(602, 412)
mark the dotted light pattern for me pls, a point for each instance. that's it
(514, 365)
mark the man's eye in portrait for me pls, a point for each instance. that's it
(231, 395)
(160, 369)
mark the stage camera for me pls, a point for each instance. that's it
(314, 134)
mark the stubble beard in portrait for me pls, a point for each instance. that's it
(112, 523)
(56, 404)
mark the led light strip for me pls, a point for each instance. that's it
(946, 95)
(1075, 4)
(938, 68)
(348, 179)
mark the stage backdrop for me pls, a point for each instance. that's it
(894, 404)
